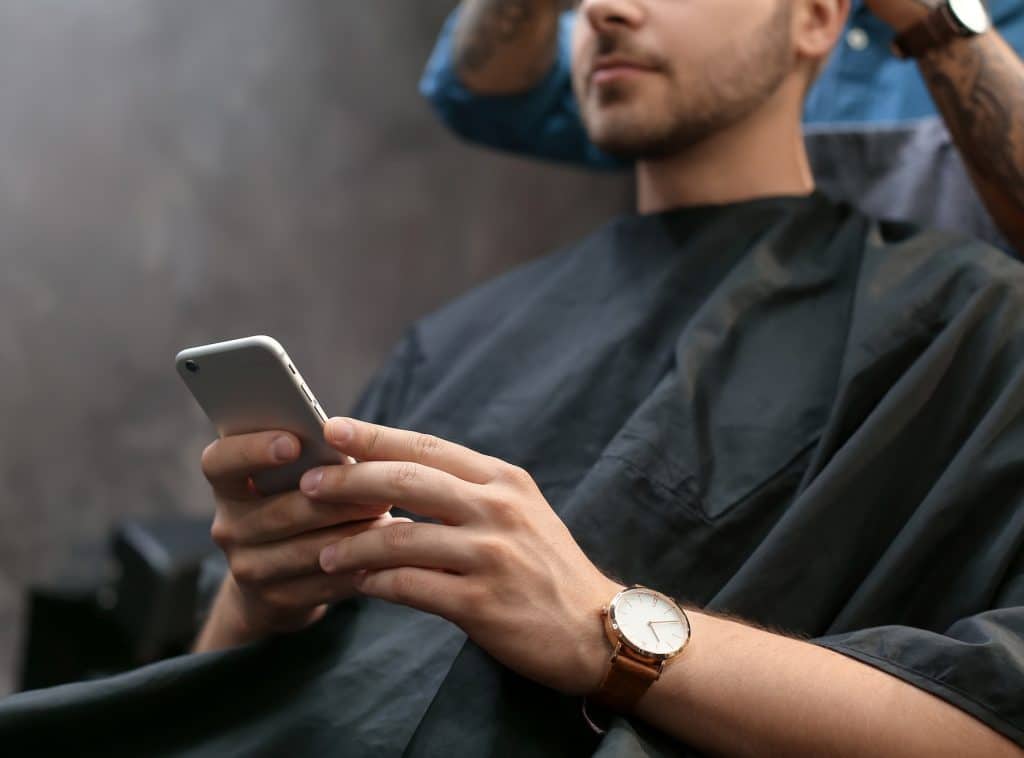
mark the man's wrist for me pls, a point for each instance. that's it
(595, 650)
(225, 625)
(231, 623)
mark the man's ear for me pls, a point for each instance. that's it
(817, 25)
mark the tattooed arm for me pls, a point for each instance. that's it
(504, 47)
(978, 85)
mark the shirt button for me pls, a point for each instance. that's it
(857, 38)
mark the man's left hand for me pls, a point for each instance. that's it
(901, 14)
(500, 564)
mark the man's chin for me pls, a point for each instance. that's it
(633, 146)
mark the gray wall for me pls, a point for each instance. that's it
(180, 171)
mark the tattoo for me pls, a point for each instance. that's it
(490, 25)
(979, 87)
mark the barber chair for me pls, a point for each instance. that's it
(120, 603)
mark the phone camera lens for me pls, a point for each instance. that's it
(192, 366)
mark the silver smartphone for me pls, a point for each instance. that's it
(251, 385)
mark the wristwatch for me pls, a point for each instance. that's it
(950, 20)
(647, 631)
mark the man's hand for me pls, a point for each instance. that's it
(901, 14)
(273, 543)
(500, 564)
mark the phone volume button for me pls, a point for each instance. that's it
(306, 393)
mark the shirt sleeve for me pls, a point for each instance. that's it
(977, 665)
(543, 122)
(950, 582)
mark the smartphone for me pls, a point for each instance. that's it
(251, 385)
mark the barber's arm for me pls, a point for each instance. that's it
(499, 563)
(505, 47)
(499, 76)
(978, 86)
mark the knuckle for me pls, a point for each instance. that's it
(397, 537)
(208, 459)
(373, 440)
(518, 477)
(478, 595)
(277, 518)
(504, 511)
(495, 466)
(492, 551)
(299, 557)
(280, 599)
(424, 446)
(406, 586)
(245, 572)
(402, 475)
(221, 534)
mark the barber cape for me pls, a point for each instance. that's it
(777, 409)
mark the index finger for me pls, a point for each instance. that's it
(372, 442)
(228, 462)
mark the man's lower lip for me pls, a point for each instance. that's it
(603, 75)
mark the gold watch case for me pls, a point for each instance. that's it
(618, 638)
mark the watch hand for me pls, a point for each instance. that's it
(651, 624)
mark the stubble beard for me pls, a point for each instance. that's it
(695, 105)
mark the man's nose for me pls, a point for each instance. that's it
(609, 15)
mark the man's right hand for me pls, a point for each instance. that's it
(273, 543)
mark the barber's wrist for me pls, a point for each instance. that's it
(900, 15)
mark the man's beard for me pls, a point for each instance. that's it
(704, 101)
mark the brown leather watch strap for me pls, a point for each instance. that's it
(625, 683)
(937, 29)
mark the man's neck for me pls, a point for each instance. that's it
(763, 155)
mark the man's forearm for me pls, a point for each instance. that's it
(505, 46)
(978, 85)
(738, 690)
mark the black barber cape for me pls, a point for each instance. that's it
(777, 409)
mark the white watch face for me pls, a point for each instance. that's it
(971, 13)
(650, 622)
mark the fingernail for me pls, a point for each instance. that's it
(339, 430)
(311, 480)
(327, 558)
(283, 449)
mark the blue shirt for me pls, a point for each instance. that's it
(874, 136)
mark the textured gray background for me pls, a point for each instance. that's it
(180, 171)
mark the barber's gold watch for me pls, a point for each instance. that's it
(647, 631)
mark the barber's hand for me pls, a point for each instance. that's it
(273, 543)
(901, 14)
(501, 564)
